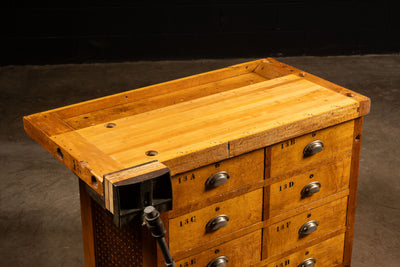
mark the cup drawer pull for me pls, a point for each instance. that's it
(217, 223)
(308, 228)
(313, 148)
(310, 189)
(218, 262)
(217, 179)
(307, 263)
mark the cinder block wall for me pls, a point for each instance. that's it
(44, 31)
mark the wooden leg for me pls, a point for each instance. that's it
(87, 226)
(351, 206)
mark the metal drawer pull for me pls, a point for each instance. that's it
(307, 263)
(310, 189)
(313, 148)
(308, 228)
(216, 223)
(217, 179)
(218, 262)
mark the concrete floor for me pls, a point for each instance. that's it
(39, 202)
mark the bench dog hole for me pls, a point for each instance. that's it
(110, 125)
(151, 153)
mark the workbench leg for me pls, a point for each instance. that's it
(351, 207)
(87, 226)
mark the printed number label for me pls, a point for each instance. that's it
(187, 221)
(286, 186)
(283, 226)
(188, 263)
(186, 178)
(282, 264)
(288, 143)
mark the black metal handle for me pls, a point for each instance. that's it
(158, 231)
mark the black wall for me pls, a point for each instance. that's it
(64, 31)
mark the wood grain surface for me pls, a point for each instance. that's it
(288, 155)
(189, 188)
(284, 235)
(242, 211)
(286, 194)
(326, 253)
(243, 251)
(194, 121)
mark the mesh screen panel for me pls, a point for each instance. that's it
(115, 246)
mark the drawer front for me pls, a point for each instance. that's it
(216, 220)
(289, 155)
(326, 253)
(191, 187)
(308, 187)
(242, 251)
(285, 235)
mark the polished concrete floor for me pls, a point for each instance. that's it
(39, 202)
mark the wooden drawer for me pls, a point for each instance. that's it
(295, 192)
(289, 155)
(242, 251)
(285, 234)
(189, 230)
(326, 253)
(190, 187)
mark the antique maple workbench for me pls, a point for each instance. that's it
(251, 165)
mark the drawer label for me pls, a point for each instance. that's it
(187, 221)
(282, 264)
(186, 178)
(286, 186)
(288, 143)
(283, 226)
(189, 262)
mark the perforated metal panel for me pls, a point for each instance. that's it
(115, 246)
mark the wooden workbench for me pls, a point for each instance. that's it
(284, 144)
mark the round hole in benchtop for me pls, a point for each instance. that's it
(110, 125)
(151, 153)
(350, 94)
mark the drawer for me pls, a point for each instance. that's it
(289, 155)
(326, 253)
(214, 221)
(285, 235)
(191, 187)
(243, 251)
(308, 187)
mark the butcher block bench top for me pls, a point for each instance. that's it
(191, 122)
